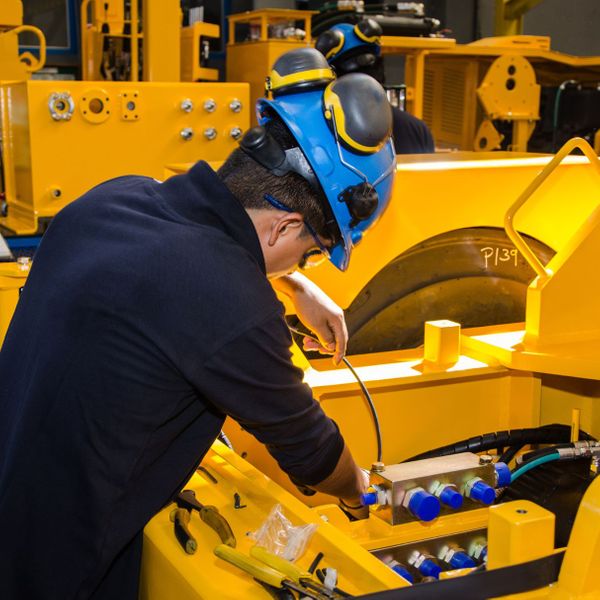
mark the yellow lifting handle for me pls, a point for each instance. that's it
(280, 564)
(250, 565)
(512, 233)
(33, 63)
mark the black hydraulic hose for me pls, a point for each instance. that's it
(546, 434)
(533, 454)
(509, 454)
(363, 388)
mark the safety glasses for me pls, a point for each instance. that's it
(313, 257)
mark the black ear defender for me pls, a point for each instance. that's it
(368, 30)
(330, 42)
(361, 200)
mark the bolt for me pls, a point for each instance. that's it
(210, 133)
(209, 105)
(485, 459)
(235, 133)
(235, 105)
(187, 133)
(4, 208)
(187, 105)
(377, 467)
(56, 192)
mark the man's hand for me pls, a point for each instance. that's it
(318, 312)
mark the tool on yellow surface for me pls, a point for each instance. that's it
(275, 571)
(181, 519)
(289, 569)
(186, 500)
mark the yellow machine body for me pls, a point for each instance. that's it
(461, 383)
(59, 137)
(268, 34)
(457, 88)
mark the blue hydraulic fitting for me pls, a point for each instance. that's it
(450, 496)
(479, 491)
(478, 550)
(426, 564)
(401, 570)
(461, 560)
(502, 474)
(421, 504)
(456, 557)
(368, 499)
(376, 494)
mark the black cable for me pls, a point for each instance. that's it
(546, 434)
(363, 389)
(510, 453)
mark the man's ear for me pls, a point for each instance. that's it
(287, 224)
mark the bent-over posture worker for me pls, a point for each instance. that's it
(149, 316)
(356, 49)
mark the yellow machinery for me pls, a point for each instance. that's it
(258, 38)
(461, 90)
(460, 384)
(58, 137)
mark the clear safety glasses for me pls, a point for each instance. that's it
(313, 257)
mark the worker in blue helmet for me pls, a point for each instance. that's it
(356, 48)
(150, 315)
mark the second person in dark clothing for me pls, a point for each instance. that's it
(356, 49)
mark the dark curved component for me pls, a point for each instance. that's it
(472, 276)
(547, 434)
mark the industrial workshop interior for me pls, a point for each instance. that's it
(188, 411)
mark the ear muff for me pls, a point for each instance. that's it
(362, 113)
(369, 31)
(361, 200)
(298, 70)
(330, 42)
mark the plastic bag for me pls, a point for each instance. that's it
(280, 537)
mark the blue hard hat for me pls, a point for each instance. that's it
(344, 149)
(357, 46)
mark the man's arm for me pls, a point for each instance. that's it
(318, 312)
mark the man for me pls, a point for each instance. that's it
(356, 49)
(149, 316)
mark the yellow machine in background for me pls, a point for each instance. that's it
(258, 38)
(58, 137)
(460, 90)
(459, 385)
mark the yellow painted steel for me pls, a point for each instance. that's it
(15, 66)
(519, 531)
(161, 46)
(12, 279)
(48, 163)
(443, 80)
(441, 343)
(251, 60)
(168, 572)
(509, 15)
(191, 69)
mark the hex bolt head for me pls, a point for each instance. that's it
(235, 133)
(209, 105)
(187, 133)
(235, 105)
(377, 467)
(485, 459)
(210, 133)
(187, 105)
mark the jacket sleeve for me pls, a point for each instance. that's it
(251, 378)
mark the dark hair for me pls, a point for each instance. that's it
(249, 181)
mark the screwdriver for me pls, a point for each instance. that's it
(266, 574)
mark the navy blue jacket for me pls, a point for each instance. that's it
(411, 135)
(146, 319)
